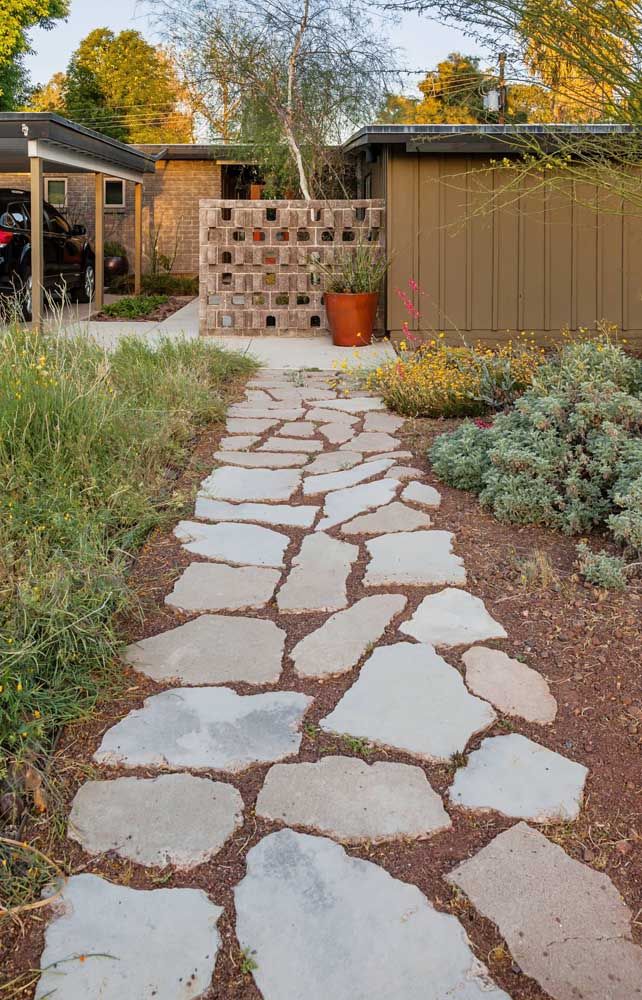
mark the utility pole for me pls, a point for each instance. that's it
(502, 88)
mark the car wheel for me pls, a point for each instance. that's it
(87, 288)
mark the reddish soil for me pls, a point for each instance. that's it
(173, 304)
(585, 642)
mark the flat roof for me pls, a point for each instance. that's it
(64, 142)
(198, 151)
(468, 137)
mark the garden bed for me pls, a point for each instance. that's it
(152, 308)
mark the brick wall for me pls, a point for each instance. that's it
(256, 261)
(170, 208)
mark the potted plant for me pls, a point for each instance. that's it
(116, 263)
(352, 284)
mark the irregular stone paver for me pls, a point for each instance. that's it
(391, 518)
(298, 516)
(350, 800)
(386, 422)
(416, 558)
(331, 417)
(242, 544)
(452, 618)
(260, 459)
(173, 819)
(300, 429)
(317, 580)
(344, 504)
(509, 685)
(110, 942)
(290, 444)
(209, 728)
(331, 481)
(336, 433)
(343, 639)
(566, 925)
(258, 396)
(215, 587)
(373, 442)
(517, 777)
(237, 442)
(276, 411)
(322, 925)
(230, 483)
(421, 493)
(333, 461)
(245, 426)
(403, 472)
(354, 404)
(405, 455)
(206, 651)
(407, 697)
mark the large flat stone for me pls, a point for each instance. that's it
(344, 638)
(350, 800)
(241, 544)
(317, 580)
(254, 397)
(509, 685)
(279, 444)
(206, 651)
(245, 426)
(260, 459)
(215, 587)
(403, 472)
(407, 697)
(173, 819)
(298, 429)
(392, 518)
(331, 417)
(333, 461)
(229, 483)
(423, 494)
(413, 558)
(566, 925)
(295, 516)
(324, 925)
(331, 481)
(387, 422)
(276, 410)
(206, 728)
(336, 433)
(237, 442)
(344, 504)
(373, 441)
(354, 404)
(109, 942)
(519, 778)
(452, 618)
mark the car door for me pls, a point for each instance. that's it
(53, 248)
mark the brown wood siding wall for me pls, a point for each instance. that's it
(538, 260)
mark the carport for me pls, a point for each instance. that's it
(36, 143)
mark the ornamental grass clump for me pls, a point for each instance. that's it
(568, 455)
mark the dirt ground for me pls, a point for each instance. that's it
(586, 643)
(173, 304)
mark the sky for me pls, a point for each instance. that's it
(424, 42)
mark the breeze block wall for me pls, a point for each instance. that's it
(256, 261)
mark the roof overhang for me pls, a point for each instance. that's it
(65, 145)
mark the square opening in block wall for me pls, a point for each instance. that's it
(373, 236)
(327, 236)
(226, 257)
(213, 300)
(226, 214)
(303, 235)
(270, 214)
(270, 279)
(269, 258)
(347, 236)
(258, 299)
(227, 320)
(360, 213)
(282, 236)
(258, 236)
(226, 278)
(315, 321)
(303, 300)
(238, 300)
(315, 214)
(282, 299)
(270, 320)
(238, 235)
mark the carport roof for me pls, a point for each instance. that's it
(61, 143)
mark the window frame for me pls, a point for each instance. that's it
(114, 180)
(57, 180)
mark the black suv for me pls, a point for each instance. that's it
(69, 263)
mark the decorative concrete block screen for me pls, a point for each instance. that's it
(256, 266)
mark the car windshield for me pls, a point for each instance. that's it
(13, 215)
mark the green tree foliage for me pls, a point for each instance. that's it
(450, 93)
(122, 86)
(17, 17)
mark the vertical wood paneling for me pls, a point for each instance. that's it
(429, 271)
(533, 276)
(559, 223)
(454, 188)
(481, 250)
(506, 255)
(610, 262)
(403, 234)
(633, 259)
(585, 281)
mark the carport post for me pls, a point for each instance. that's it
(99, 243)
(138, 237)
(37, 241)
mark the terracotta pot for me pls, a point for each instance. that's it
(351, 317)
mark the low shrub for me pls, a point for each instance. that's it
(85, 441)
(437, 380)
(568, 455)
(134, 306)
(601, 569)
(156, 284)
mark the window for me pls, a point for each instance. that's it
(114, 193)
(15, 216)
(56, 191)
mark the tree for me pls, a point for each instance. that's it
(302, 72)
(122, 86)
(17, 17)
(451, 93)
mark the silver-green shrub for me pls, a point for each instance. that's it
(601, 569)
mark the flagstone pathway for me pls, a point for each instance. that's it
(308, 497)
